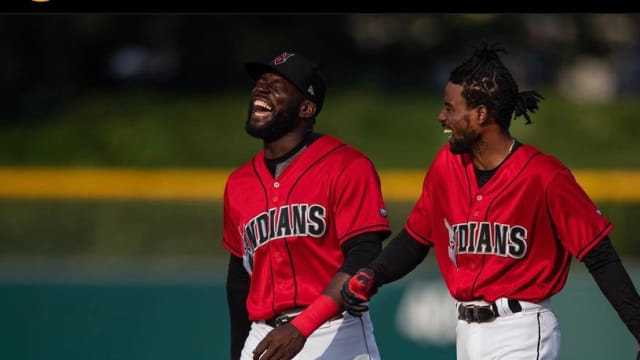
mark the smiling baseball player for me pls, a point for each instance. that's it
(299, 219)
(504, 220)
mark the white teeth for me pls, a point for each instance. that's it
(261, 103)
(447, 132)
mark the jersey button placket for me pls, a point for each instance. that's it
(476, 212)
(275, 194)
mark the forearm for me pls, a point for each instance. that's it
(614, 282)
(398, 258)
(333, 288)
(326, 306)
(237, 291)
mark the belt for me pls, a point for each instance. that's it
(284, 318)
(485, 313)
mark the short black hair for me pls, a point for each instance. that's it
(486, 81)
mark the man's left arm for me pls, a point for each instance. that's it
(614, 282)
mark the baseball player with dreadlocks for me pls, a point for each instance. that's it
(504, 220)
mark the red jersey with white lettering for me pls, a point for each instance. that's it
(514, 236)
(289, 229)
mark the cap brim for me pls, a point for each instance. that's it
(256, 69)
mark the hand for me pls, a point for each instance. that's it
(357, 291)
(283, 342)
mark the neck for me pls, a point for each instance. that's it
(489, 156)
(280, 147)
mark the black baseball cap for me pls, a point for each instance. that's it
(300, 71)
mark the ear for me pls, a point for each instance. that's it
(483, 114)
(307, 109)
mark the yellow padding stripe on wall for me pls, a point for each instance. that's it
(192, 184)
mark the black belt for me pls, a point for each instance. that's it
(285, 318)
(485, 313)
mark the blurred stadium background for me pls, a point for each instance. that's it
(118, 131)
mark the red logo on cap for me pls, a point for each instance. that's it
(280, 59)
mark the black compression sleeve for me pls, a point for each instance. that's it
(360, 250)
(398, 258)
(614, 282)
(237, 291)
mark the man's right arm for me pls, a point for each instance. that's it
(237, 291)
(398, 258)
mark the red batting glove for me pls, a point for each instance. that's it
(358, 290)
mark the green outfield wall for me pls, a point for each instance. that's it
(177, 310)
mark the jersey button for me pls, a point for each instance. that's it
(479, 197)
(476, 213)
(275, 199)
(276, 184)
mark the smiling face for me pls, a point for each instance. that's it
(274, 109)
(458, 120)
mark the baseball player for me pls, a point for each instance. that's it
(300, 218)
(504, 220)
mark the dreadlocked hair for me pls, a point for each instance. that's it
(486, 81)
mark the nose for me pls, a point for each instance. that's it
(261, 84)
(260, 88)
(441, 117)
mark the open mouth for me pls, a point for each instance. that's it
(448, 132)
(261, 108)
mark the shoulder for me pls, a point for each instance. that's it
(541, 168)
(341, 152)
(540, 161)
(340, 161)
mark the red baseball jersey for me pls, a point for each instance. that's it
(289, 230)
(515, 236)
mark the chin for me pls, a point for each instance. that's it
(459, 147)
(258, 122)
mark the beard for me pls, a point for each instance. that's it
(460, 146)
(465, 143)
(281, 123)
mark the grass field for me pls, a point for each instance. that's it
(397, 130)
(200, 132)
